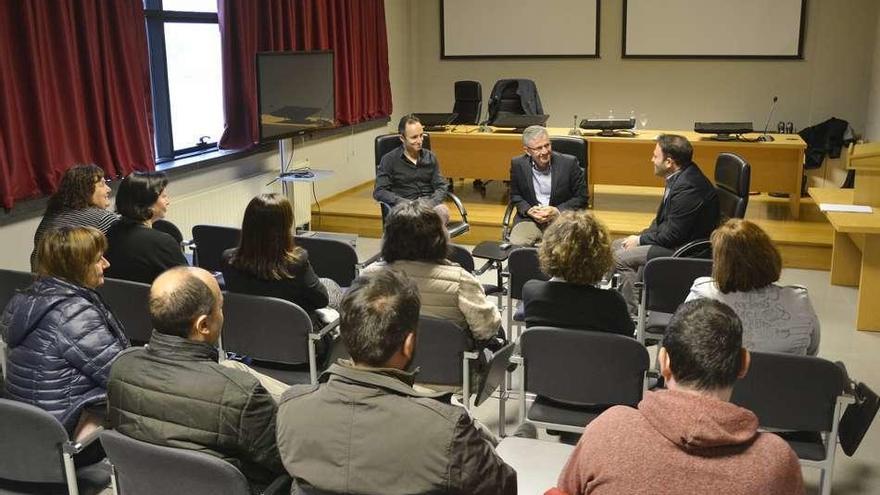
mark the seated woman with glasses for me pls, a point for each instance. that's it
(61, 337)
(576, 253)
(81, 200)
(416, 243)
(268, 263)
(137, 251)
(746, 267)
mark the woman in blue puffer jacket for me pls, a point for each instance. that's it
(61, 338)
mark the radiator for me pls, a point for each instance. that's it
(225, 203)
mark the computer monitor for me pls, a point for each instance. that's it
(723, 131)
(610, 127)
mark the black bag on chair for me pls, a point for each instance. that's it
(857, 418)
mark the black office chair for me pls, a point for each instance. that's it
(37, 455)
(12, 281)
(801, 397)
(331, 258)
(571, 145)
(522, 266)
(666, 283)
(732, 180)
(445, 354)
(576, 375)
(383, 145)
(210, 242)
(276, 334)
(506, 97)
(170, 229)
(129, 302)
(142, 468)
(468, 102)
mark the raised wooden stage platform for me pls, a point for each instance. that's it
(804, 243)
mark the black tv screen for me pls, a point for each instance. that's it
(294, 93)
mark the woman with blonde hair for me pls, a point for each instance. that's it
(576, 253)
(746, 267)
(61, 337)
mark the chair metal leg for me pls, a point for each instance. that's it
(313, 365)
(114, 484)
(502, 409)
(466, 383)
(70, 473)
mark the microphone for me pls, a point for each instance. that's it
(574, 129)
(764, 136)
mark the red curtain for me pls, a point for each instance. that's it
(74, 88)
(353, 29)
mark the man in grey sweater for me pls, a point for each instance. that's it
(365, 430)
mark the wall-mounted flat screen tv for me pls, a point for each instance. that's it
(294, 93)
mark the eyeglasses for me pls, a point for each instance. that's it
(539, 148)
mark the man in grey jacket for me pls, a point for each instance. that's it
(174, 392)
(365, 430)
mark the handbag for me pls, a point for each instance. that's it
(857, 418)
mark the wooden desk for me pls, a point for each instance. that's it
(777, 166)
(855, 255)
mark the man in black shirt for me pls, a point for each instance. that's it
(411, 172)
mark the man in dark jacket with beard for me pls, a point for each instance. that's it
(365, 430)
(174, 392)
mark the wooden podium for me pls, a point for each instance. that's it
(855, 256)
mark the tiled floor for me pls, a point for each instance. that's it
(860, 351)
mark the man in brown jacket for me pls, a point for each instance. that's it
(690, 438)
(364, 430)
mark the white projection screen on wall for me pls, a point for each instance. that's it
(512, 28)
(713, 28)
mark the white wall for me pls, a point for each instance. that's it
(832, 80)
(872, 131)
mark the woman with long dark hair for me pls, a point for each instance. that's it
(137, 251)
(61, 337)
(268, 263)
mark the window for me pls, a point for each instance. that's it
(186, 74)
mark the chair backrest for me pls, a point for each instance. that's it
(459, 254)
(523, 266)
(468, 102)
(571, 145)
(387, 142)
(30, 444)
(791, 392)
(129, 302)
(695, 249)
(732, 181)
(169, 228)
(509, 100)
(266, 328)
(668, 281)
(440, 348)
(582, 367)
(12, 281)
(211, 241)
(144, 468)
(331, 258)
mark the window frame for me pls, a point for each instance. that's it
(155, 19)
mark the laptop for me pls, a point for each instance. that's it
(436, 121)
(517, 121)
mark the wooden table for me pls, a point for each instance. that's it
(777, 166)
(855, 255)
